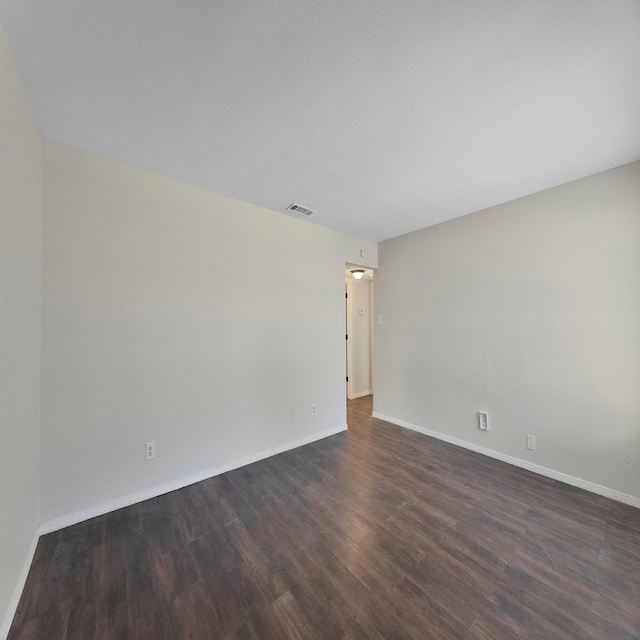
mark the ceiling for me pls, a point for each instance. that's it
(383, 117)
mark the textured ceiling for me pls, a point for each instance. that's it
(383, 117)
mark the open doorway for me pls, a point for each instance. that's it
(359, 283)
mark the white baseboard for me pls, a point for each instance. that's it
(153, 492)
(524, 464)
(17, 593)
(359, 395)
(133, 498)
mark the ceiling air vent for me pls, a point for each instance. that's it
(298, 209)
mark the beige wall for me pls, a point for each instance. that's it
(20, 234)
(175, 315)
(531, 311)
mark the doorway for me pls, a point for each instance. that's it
(359, 331)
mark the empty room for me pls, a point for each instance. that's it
(320, 320)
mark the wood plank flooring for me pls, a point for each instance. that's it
(375, 533)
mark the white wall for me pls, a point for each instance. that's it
(530, 311)
(176, 315)
(360, 337)
(20, 235)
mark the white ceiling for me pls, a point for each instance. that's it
(383, 117)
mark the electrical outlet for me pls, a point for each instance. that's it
(149, 450)
(314, 410)
(531, 443)
(483, 419)
(293, 414)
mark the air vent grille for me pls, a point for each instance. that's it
(298, 209)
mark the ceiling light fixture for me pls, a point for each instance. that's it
(357, 273)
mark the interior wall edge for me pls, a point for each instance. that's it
(17, 593)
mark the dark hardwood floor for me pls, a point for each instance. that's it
(375, 533)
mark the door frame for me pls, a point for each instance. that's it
(347, 327)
